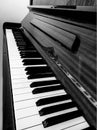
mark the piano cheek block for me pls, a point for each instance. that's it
(76, 44)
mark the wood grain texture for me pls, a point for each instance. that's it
(37, 38)
(65, 2)
(82, 64)
(57, 33)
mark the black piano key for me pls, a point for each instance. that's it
(25, 48)
(18, 36)
(43, 83)
(40, 75)
(39, 69)
(61, 118)
(30, 54)
(46, 89)
(27, 45)
(33, 52)
(33, 62)
(26, 51)
(89, 128)
(20, 40)
(21, 43)
(56, 108)
(54, 99)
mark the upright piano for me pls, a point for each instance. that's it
(49, 70)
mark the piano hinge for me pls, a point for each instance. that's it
(77, 84)
(54, 57)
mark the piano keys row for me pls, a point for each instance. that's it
(40, 101)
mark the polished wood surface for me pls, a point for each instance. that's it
(80, 63)
(65, 2)
(55, 32)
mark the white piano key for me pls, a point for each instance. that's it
(79, 126)
(34, 121)
(21, 90)
(31, 102)
(17, 72)
(22, 97)
(21, 85)
(25, 85)
(34, 80)
(12, 48)
(20, 76)
(21, 80)
(25, 112)
(25, 104)
(32, 110)
(28, 122)
(30, 95)
(19, 65)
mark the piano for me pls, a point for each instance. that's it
(49, 70)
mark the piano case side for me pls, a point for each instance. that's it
(8, 110)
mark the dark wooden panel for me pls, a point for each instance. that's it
(87, 108)
(82, 64)
(71, 40)
(65, 2)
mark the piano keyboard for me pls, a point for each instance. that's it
(39, 99)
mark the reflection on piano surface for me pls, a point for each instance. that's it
(50, 70)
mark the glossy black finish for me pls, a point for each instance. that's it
(56, 108)
(47, 89)
(43, 83)
(45, 101)
(61, 118)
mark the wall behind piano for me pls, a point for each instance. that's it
(10, 11)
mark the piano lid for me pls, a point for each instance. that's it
(84, 16)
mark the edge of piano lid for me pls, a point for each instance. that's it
(82, 22)
(81, 14)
